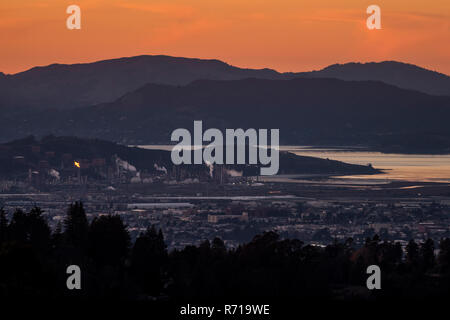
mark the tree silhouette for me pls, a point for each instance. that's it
(412, 253)
(390, 255)
(427, 254)
(3, 226)
(25, 254)
(109, 240)
(218, 246)
(76, 227)
(33, 262)
(444, 255)
(148, 258)
(30, 229)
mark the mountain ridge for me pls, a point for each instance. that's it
(67, 86)
(403, 75)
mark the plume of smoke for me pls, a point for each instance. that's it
(211, 168)
(158, 168)
(233, 173)
(54, 174)
(125, 165)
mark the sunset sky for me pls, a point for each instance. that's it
(287, 35)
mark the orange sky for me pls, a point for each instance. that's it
(287, 35)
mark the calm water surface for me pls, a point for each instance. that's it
(409, 167)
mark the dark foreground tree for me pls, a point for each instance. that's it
(3, 226)
(444, 255)
(412, 253)
(76, 226)
(427, 257)
(148, 261)
(30, 228)
(33, 264)
(109, 240)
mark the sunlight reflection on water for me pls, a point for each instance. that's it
(407, 167)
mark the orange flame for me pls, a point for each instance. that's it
(77, 164)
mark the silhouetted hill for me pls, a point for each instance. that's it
(63, 86)
(307, 111)
(403, 75)
(18, 156)
(67, 86)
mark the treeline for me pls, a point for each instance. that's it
(33, 262)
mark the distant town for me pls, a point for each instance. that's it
(191, 206)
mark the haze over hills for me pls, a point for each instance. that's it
(307, 111)
(65, 86)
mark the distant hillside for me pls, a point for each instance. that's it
(402, 75)
(62, 86)
(140, 100)
(19, 156)
(307, 112)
